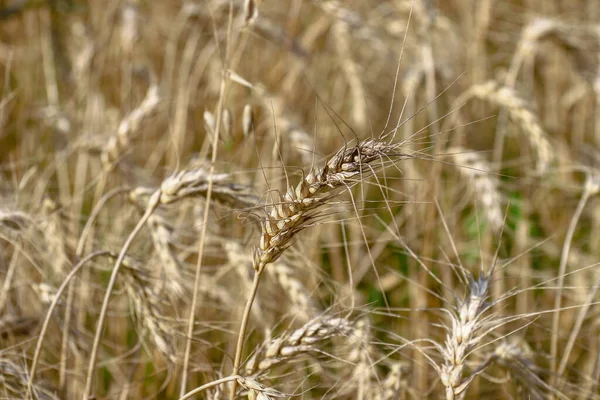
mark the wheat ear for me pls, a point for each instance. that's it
(520, 112)
(293, 211)
(466, 331)
(292, 344)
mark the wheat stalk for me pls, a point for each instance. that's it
(293, 211)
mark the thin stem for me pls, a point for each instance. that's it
(71, 293)
(209, 385)
(63, 286)
(93, 215)
(153, 203)
(191, 319)
(240, 341)
(561, 277)
(577, 327)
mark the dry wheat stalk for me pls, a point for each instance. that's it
(519, 111)
(341, 34)
(293, 344)
(482, 182)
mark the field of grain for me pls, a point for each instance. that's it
(294, 199)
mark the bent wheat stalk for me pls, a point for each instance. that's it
(591, 188)
(42, 335)
(295, 210)
(153, 203)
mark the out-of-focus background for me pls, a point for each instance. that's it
(495, 101)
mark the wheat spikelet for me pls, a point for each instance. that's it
(45, 292)
(482, 183)
(520, 112)
(250, 11)
(81, 49)
(358, 26)
(293, 344)
(258, 391)
(248, 120)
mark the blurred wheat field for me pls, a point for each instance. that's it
(359, 199)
